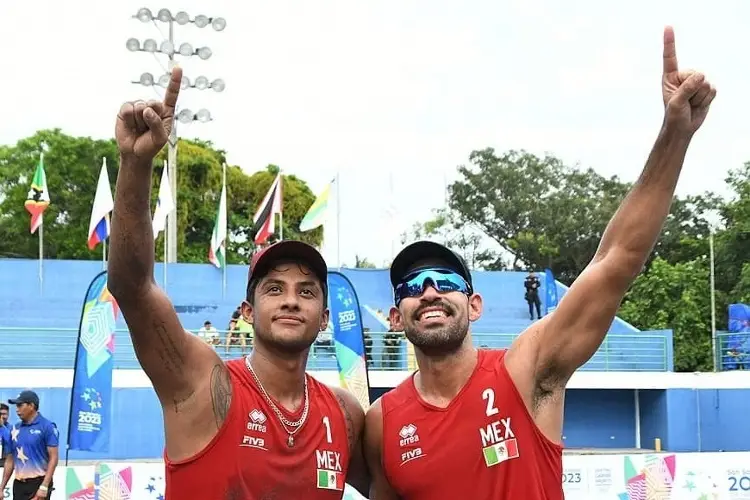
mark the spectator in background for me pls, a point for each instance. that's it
(33, 451)
(532, 284)
(368, 347)
(209, 334)
(234, 336)
(4, 444)
(4, 414)
(391, 348)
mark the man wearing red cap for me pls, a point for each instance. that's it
(257, 427)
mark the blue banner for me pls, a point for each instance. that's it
(739, 318)
(91, 398)
(348, 337)
(550, 290)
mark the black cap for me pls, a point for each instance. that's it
(292, 250)
(25, 397)
(422, 250)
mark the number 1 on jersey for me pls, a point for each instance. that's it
(327, 423)
(489, 396)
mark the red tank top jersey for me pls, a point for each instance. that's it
(484, 445)
(250, 459)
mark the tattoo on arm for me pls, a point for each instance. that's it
(221, 393)
(349, 422)
(169, 352)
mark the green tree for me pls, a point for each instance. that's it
(72, 167)
(676, 297)
(468, 242)
(547, 214)
(363, 263)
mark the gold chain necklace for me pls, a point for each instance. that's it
(285, 422)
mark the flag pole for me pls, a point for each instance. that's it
(41, 254)
(338, 222)
(226, 233)
(104, 254)
(281, 207)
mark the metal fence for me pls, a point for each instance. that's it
(733, 351)
(55, 348)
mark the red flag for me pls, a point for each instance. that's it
(265, 216)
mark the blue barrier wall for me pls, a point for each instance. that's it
(702, 420)
(196, 291)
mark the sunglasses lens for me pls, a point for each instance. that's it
(444, 280)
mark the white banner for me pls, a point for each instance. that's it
(664, 476)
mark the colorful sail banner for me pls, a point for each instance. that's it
(91, 399)
(348, 337)
(550, 290)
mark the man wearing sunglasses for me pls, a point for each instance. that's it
(482, 424)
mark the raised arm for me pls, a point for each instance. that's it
(186, 373)
(380, 488)
(545, 357)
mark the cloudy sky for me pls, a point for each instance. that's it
(392, 95)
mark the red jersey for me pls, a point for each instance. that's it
(250, 459)
(484, 445)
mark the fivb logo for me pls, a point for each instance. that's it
(257, 421)
(408, 434)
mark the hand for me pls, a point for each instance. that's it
(687, 94)
(142, 128)
(40, 493)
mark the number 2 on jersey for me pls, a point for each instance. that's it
(489, 396)
(327, 423)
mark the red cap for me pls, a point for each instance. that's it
(292, 250)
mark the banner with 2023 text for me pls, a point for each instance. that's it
(663, 476)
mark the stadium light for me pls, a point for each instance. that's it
(168, 48)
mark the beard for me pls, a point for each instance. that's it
(438, 339)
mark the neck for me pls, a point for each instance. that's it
(283, 377)
(30, 418)
(441, 378)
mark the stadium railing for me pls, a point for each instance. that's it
(55, 348)
(733, 351)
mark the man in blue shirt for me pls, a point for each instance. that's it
(4, 414)
(33, 450)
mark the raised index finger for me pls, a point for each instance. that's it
(670, 53)
(173, 90)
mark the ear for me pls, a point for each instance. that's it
(247, 312)
(324, 320)
(396, 319)
(475, 307)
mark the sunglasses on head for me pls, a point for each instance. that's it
(442, 279)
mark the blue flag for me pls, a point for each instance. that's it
(550, 288)
(348, 337)
(90, 421)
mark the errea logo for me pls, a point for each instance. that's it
(257, 416)
(257, 421)
(408, 434)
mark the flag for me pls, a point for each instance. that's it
(90, 422)
(103, 205)
(217, 254)
(330, 480)
(37, 200)
(164, 205)
(264, 218)
(500, 452)
(316, 215)
(348, 337)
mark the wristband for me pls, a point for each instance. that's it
(43, 488)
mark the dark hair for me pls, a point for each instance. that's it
(3, 406)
